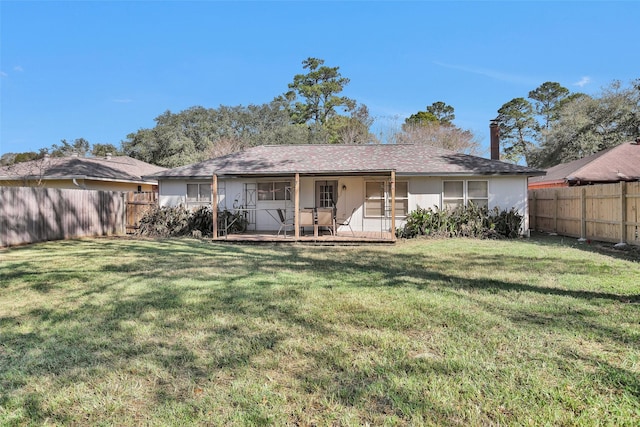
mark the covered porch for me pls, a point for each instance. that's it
(352, 207)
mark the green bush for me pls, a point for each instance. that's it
(463, 221)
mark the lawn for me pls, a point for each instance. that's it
(425, 332)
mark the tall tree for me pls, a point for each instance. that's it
(587, 124)
(548, 99)
(449, 137)
(438, 112)
(434, 127)
(315, 95)
(517, 129)
(352, 129)
(442, 112)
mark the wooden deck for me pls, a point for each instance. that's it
(345, 238)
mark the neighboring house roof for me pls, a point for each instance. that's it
(117, 168)
(619, 163)
(346, 159)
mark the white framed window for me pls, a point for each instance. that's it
(199, 193)
(402, 199)
(274, 190)
(461, 193)
(374, 199)
(378, 199)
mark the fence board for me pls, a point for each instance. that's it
(33, 214)
(606, 212)
(137, 205)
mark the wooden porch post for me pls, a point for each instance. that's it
(214, 205)
(296, 207)
(393, 205)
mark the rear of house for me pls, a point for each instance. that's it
(372, 186)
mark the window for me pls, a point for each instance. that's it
(197, 193)
(461, 193)
(374, 202)
(325, 194)
(378, 199)
(402, 199)
(279, 190)
(478, 193)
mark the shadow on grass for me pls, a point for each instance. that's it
(628, 252)
(241, 292)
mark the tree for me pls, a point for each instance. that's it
(438, 112)
(517, 129)
(548, 99)
(353, 129)
(449, 137)
(586, 124)
(314, 96)
(79, 146)
(194, 134)
(102, 150)
(434, 127)
(442, 112)
(421, 118)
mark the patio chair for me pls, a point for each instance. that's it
(307, 218)
(326, 219)
(347, 222)
(284, 222)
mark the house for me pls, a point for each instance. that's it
(373, 187)
(109, 173)
(615, 164)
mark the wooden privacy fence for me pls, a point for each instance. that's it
(137, 205)
(606, 212)
(34, 214)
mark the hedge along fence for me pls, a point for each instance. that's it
(605, 212)
(33, 214)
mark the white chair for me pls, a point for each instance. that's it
(284, 222)
(347, 222)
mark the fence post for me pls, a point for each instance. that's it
(555, 211)
(534, 211)
(583, 213)
(623, 212)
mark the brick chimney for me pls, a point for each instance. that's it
(494, 131)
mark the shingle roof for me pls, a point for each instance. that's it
(346, 159)
(121, 168)
(619, 163)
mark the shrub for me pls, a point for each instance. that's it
(179, 221)
(463, 221)
(201, 220)
(165, 221)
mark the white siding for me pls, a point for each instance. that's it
(505, 192)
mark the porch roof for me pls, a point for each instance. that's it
(270, 160)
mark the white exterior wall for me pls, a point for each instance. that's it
(505, 192)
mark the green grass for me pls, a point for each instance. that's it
(426, 332)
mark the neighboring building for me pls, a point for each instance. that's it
(110, 173)
(615, 164)
(353, 180)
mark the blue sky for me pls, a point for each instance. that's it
(101, 70)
